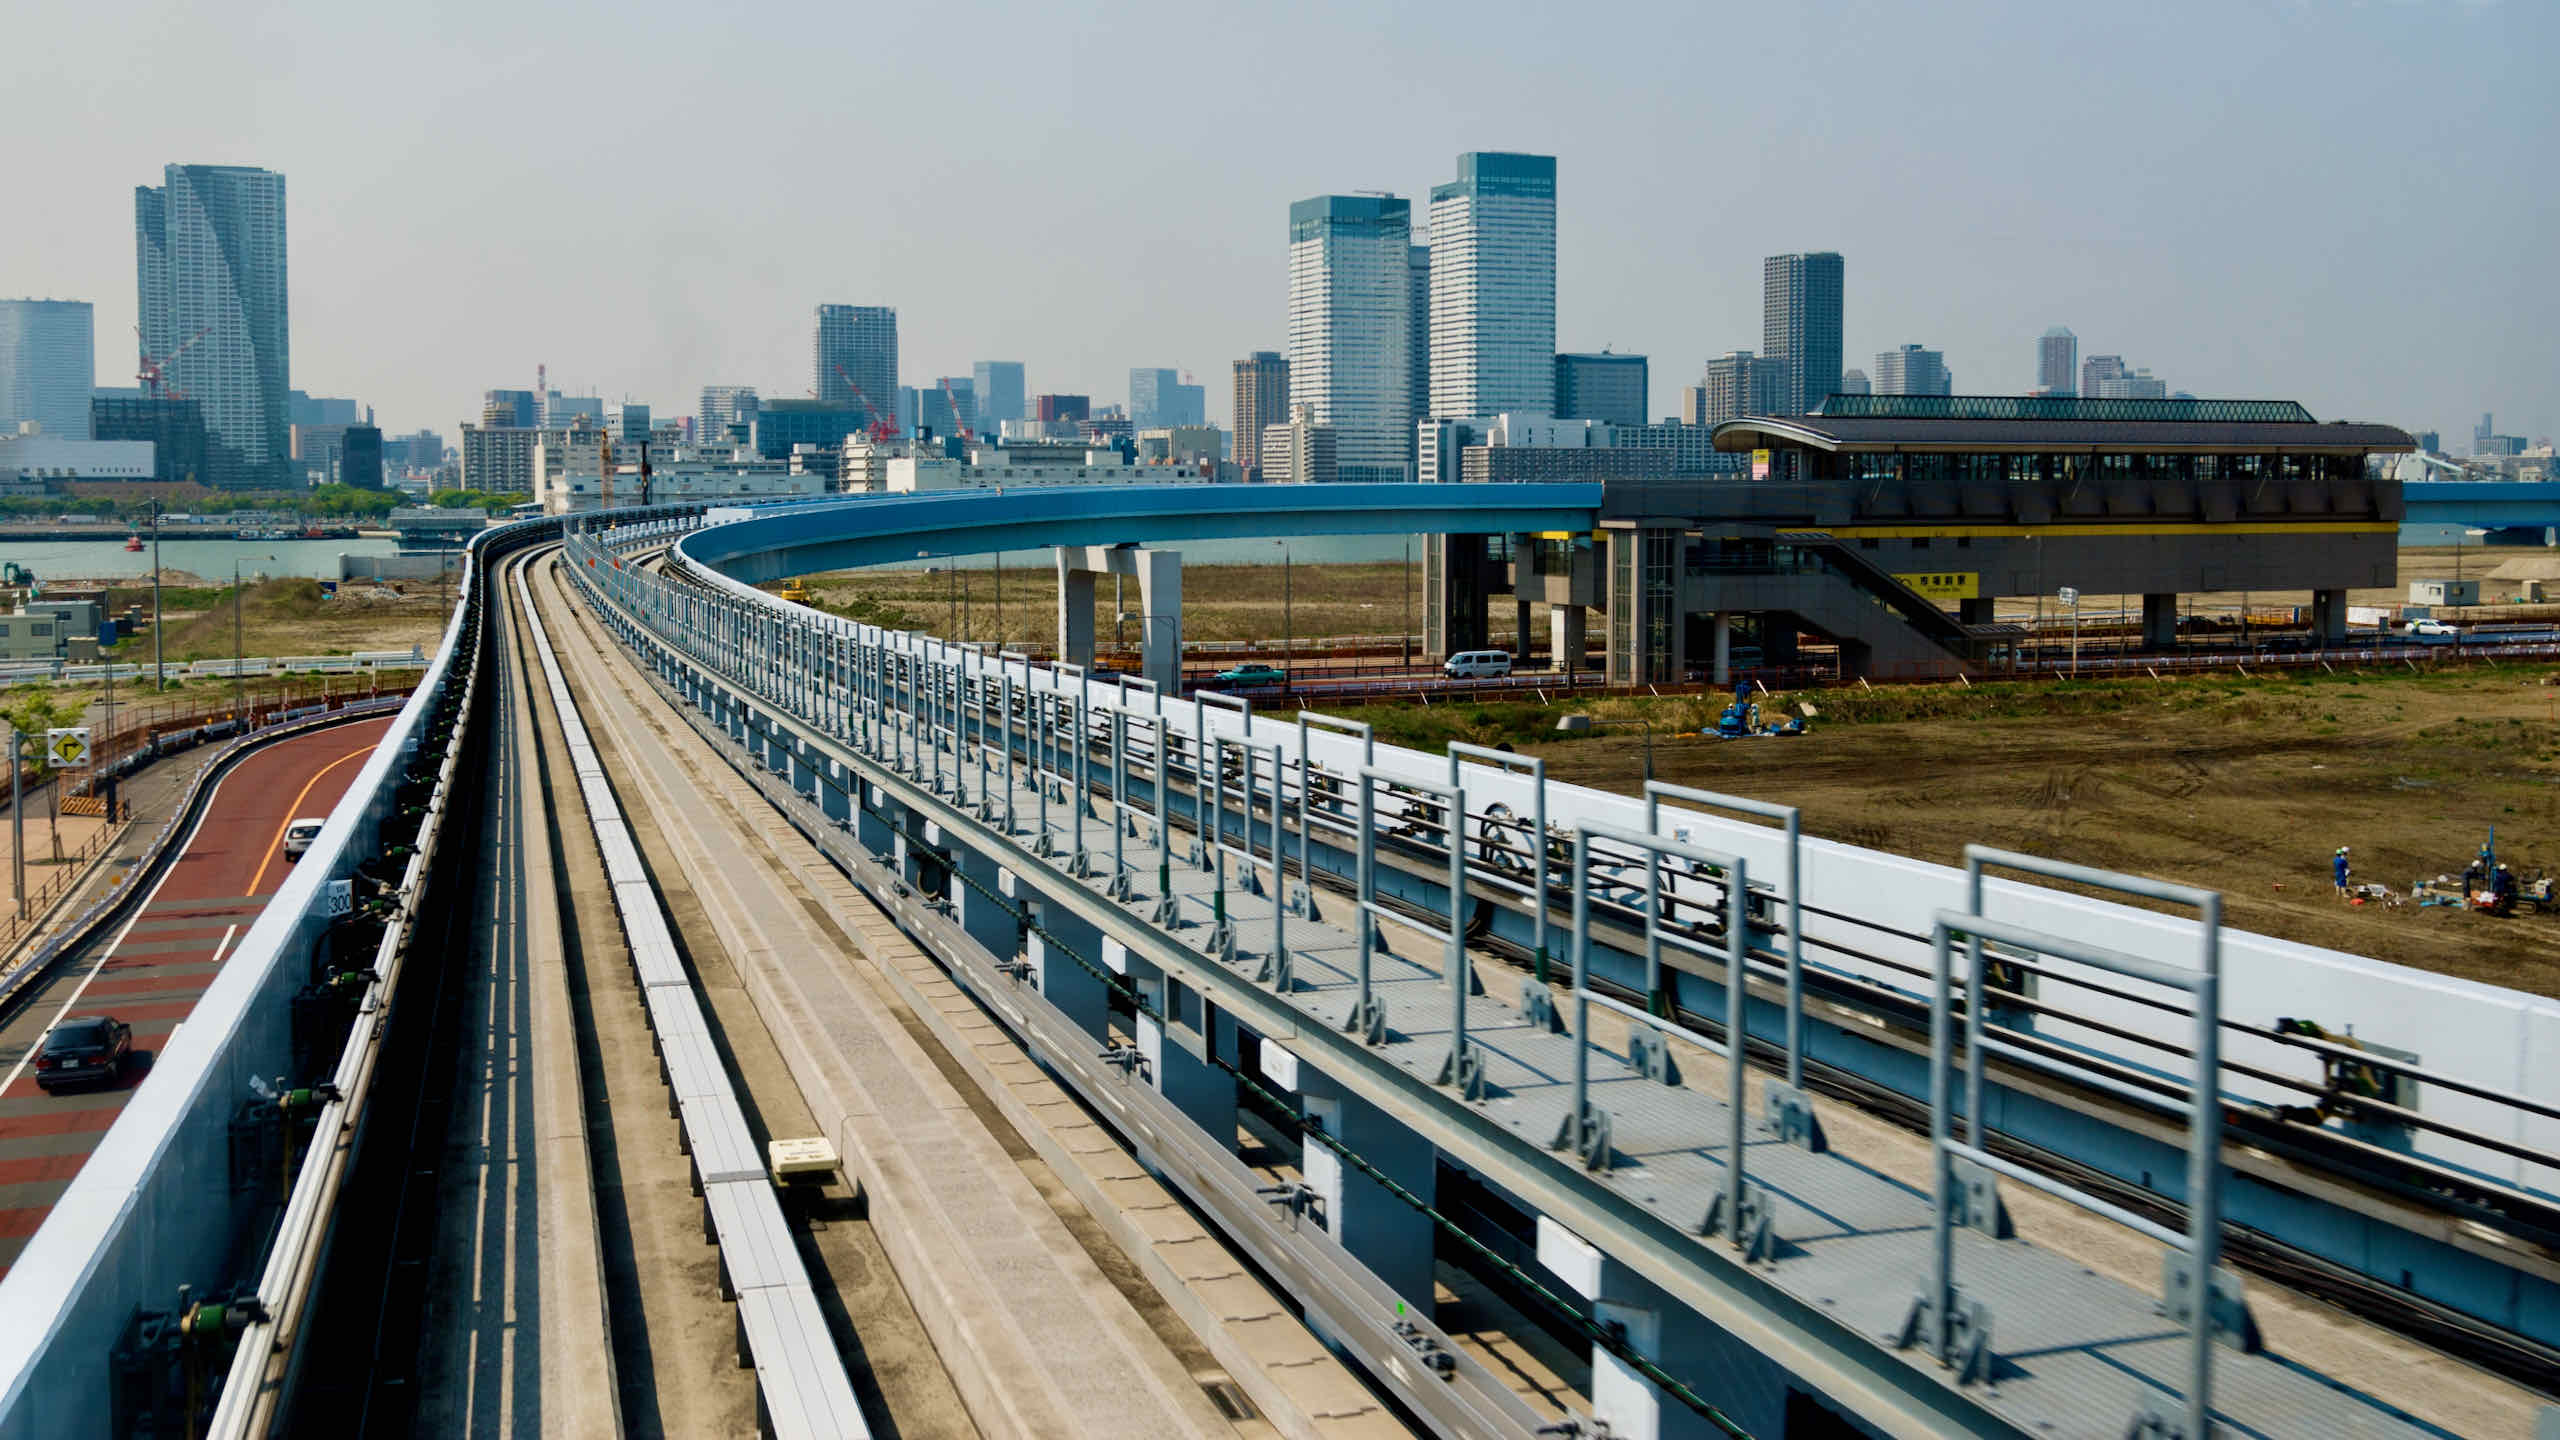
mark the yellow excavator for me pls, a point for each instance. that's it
(795, 592)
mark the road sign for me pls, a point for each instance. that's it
(2070, 596)
(67, 748)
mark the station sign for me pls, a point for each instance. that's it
(1946, 584)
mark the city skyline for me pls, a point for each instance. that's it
(2188, 254)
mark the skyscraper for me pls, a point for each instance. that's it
(2099, 372)
(948, 406)
(724, 406)
(857, 350)
(1493, 288)
(1602, 387)
(1060, 409)
(1800, 318)
(1854, 382)
(1351, 328)
(1418, 342)
(998, 384)
(48, 366)
(1912, 371)
(209, 251)
(1262, 399)
(1158, 398)
(2058, 362)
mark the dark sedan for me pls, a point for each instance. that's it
(92, 1047)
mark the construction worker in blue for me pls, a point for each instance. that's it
(2338, 871)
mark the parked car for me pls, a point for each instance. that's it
(1245, 676)
(1478, 665)
(84, 1048)
(299, 835)
(2432, 630)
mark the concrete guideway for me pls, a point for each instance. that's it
(518, 1336)
(945, 716)
(1038, 1356)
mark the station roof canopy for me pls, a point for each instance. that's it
(2044, 422)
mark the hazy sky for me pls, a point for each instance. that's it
(2347, 204)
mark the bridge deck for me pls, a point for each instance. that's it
(2071, 1342)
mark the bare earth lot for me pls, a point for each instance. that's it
(2244, 786)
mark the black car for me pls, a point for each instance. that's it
(91, 1047)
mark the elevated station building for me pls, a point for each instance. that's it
(1890, 525)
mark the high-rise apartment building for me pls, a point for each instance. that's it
(2099, 371)
(1605, 386)
(857, 357)
(1262, 400)
(1493, 288)
(1800, 325)
(1351, 328)
(998, 384)
(1736, 385)
(722, 407)
(1418, 339)
(209, 249)
(2058, 362)
(48, 366)
(1912, 370)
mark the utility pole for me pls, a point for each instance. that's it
(1407, 638)
(18, 819)
(239, 702)
(159, 669)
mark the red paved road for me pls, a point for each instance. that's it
(154, 970)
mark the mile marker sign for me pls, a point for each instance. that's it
(67, 748)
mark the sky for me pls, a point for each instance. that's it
(2349, 205)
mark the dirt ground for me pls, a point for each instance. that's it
(2243, 786)
(1219, 602)
(292, 617)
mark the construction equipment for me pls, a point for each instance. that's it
(795, 592)
(154, 373)
(966, 433)
(884, 423)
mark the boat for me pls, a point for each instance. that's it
(133, 542)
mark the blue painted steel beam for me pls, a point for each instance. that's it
(2488, 504)
(780, 541)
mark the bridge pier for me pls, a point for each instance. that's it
(1566, 636)
(2329, 616)
(1159, 574)
(2160, 622)
(1723, 675)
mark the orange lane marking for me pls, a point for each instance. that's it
(274, 846)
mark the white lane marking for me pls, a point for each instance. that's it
(227, 932)
(118, 943)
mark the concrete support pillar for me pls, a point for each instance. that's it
(1453, 595)
(2160, 621)
(1566, 635)
(1382, 1232)
(1520, 631)
(1724, 649)
(1778, 638)
(1075, 990)
(1075, 611)
(1749, 1389)
(2329, 616)
(1159, 574)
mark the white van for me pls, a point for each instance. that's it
(1478, 665)
(299, 835)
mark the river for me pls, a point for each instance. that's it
(63, 560)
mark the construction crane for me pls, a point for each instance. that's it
(956, 422)
(154, 374)
(884, 423)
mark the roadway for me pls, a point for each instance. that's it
(159, 961)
